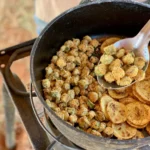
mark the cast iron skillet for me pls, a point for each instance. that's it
(96, 18)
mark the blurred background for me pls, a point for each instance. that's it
(16, 26)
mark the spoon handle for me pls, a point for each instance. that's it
(143, 37)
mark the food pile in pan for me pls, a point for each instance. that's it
(71, 89)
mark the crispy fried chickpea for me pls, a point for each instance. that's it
(64, 98)
(84, 122)
(98, 88)
(60, 114)
(71, 94)
(76, 90)
(108, 132)
(118, 73)
(66, 86)
(93, 96)
(139, 62)
(83, 111)
(82, 100)
(70, 58)
(90, 104)
(83, 83)
(100, 116)
(56, 94)
(89, 78)
(76, 71)
(85, 72)
(95, 124)
(91, 115)
(73, 118)
(64, 48)
(74, 103)
(102, 127)
(66, 115)
(83, 92)
(89, 130)
(140, 75)
(109, 77)
(54, 59)
(114, 64)
(61, 63)
(61, 54)
(70, 66)
(77, 61)
(65, 74)
(56, 109)
(69, 43)
(124, 81)
(97, 107)
(59, 83)
(62, 105)
(84, 41)
(132, 71)
(55, 75)
(76, 42)
(90, 65)
(83, 56)
(100, 69)
(128, 59)
(48, 70)
(74, 80)
(109, 124)
(90, 50)
(46, 83)
(94, 59)
(74, 52)
(120, 53)
(110, 50)
(83, 47)
(106, 59)
(94, 43)
(70, 110)
(94, 132)
(52, 105)
(88, 38)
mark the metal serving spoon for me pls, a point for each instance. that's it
(137, 44)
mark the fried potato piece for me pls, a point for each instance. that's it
(116, 95)
(109, 41)
(138, 135)
(124, 131)
(136, 126)
(103, 104)
(127, 100)
(148, 128)
(143, 89)
(138, 114)
(117, 112)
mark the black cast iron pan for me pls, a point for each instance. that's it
(95, 19)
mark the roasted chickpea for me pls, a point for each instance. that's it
(46, 83)
(91, 115)
(48, 70)
(100, 116)
(120, 53)
(74, 80)
(66, 86)
(139, 62)
(94, 59)
(64, 98)
(88, 38)
(61, 63)
(132, 71)
(83, 92)
(85, 72)
(71, 94)
(90, 65)
(109, 124)
(70, 58)
(76, 42)
(109, 77)
(74, 52)
(69, 43)
(83, 83)
(54, 59)
(60, 114)
(106, 59)
(65, 74)
(90, 50)
(93, 96)
(62, 105)
(77, 61)
(82, 100)
(84, 41)
(118, 73)
(94, 132)
(90, 104)
(83, 111)
(52, 105)
(128, 59)
(70, 110)
(74, 103)
(66, 115)
(73, 118)
(84, 122)
(59, 83)
(100, 70)
(76, 71)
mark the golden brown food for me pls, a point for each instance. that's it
(106, 59)
(100, 69)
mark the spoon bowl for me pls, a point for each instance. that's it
(138, 45)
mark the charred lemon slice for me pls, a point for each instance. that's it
(124, 131)
(116, 112)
